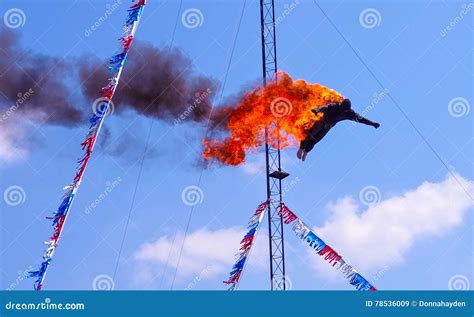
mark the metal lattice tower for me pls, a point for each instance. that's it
(273, 163)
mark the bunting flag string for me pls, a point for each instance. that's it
(116, 63)
(329, 254)
(246, 245)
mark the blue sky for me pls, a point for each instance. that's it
(416, 237)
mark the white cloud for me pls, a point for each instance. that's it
(15, 133)
(254, 165)
(371, 239)
(205, 254)
(381, 235)
(10, 136)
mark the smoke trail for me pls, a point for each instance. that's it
(41, 89)
(156, 83)
(33, 86)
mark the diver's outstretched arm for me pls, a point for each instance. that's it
(358, 118)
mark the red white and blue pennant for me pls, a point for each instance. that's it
(324, 250)
(246, 245)
(116, 64)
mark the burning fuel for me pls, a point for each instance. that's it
(282, 108)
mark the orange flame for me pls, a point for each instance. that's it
(283, 107)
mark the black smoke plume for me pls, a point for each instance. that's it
(155, 83)
(33, 86)
(158, 83)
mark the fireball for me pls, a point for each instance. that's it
(279, 114)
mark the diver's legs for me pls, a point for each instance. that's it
(299, 154)
(306, 146)
(304, 155)
(310, 141)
